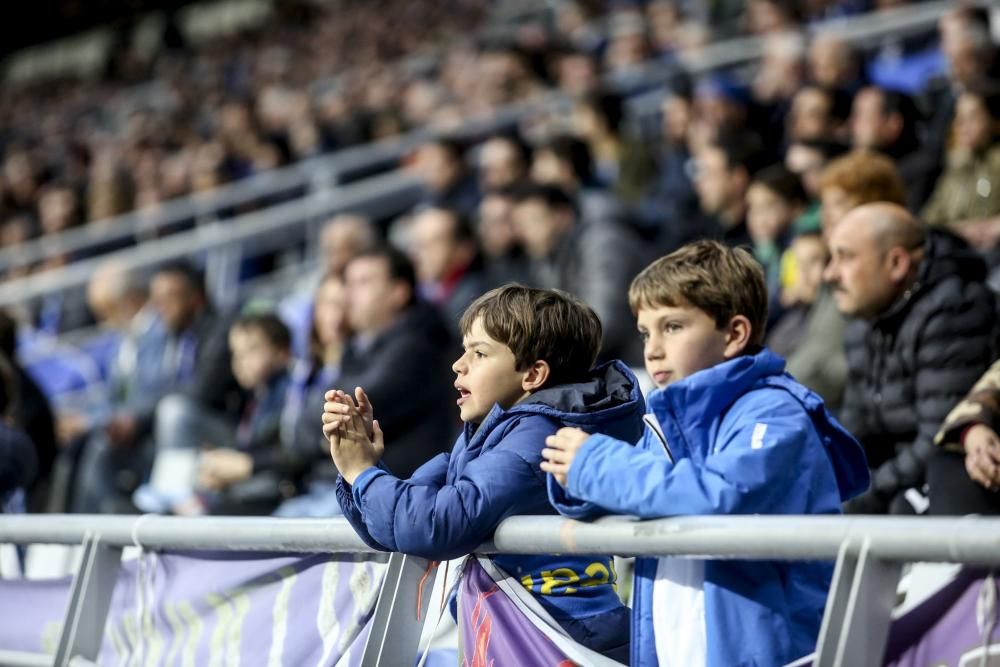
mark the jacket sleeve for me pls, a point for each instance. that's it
(18, 462)
(433, 473)
(449, 520)
(981, 406)
(758, 457)
(954, 349)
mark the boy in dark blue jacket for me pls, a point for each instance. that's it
(526, 371)
(730, 433)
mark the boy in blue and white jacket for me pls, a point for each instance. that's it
(526, 371)
(730, 433)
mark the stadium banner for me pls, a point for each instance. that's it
(500, 623)
(204, 608)
(955, 627)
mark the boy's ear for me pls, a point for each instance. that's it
(738, 336)
(536, 376)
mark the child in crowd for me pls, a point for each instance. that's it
(261, 349)
(526, 371)
(730, 433)
(775, 199)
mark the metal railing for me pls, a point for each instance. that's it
(318, 174)
(869, 553)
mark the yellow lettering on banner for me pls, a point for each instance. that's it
(549, 580)
(364, 592)
(195, 629)
(280, 615)
(527, 582)
(152, 655)
(597, 575)
(614, 575)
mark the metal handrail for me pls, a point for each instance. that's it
(970, 540)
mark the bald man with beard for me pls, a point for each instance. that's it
(923, 331)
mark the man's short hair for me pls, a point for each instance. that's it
(186, 271)
(553, 196)
(866, 176)
(399, 265)
(540, 325)
(268, 324)
(779, 180)
(721, 281)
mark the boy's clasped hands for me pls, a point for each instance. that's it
(356, 440)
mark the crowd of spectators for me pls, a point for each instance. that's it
(861, 181)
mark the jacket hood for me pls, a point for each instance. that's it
(609, 400)
(946, 255)
(702, 398)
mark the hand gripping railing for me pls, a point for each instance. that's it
(869, 553)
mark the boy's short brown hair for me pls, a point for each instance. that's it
(269, 325)
(540, 325)
(721, 281)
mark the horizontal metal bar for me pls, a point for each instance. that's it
(274, 221)
(198, 533)
(972, 540)
(944, 539)
(24, 659)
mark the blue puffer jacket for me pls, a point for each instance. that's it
(453, 503)
(745, 438)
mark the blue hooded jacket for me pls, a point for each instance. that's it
(455, 501)
(742, 437)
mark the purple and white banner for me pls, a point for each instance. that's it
(187, 609)
(958, 626)
(501, 624)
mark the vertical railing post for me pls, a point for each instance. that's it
(89, 602)
(395, 635)
(859, 611)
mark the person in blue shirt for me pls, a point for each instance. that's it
(730, 433)
(527, 370)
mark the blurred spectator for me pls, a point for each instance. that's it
(774, 200)
(503, 161)
(440, 165)
(886, 121)
(722, 176)
(180, 351)
(596, 262)
(442, 247)
(236, 476)
(819, 361)
(29, 410)
(619, 163)
(565, 162)
(502, 253)
(818, 113)
(970, 445)
(810, 257)
(304, 461)
(923, 332)
(400, 353)
(807, 159)
(833, 63)
(971, 56)
(860, 177)
(670, 200)
(18, 460)
(969, 188)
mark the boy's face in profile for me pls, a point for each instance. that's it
(679, 341)
(255, 359)
(486, 374)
